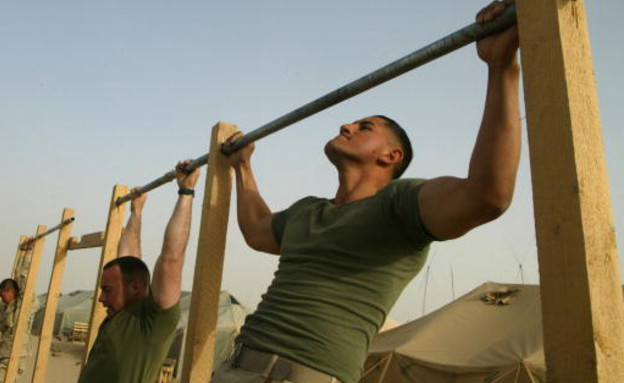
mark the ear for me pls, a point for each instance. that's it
(392, 157)
(138, 288)
(133, 287)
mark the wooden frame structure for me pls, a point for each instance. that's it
(582, 302)
(108, 240)
(26, 298)
(112, 235)
(202, 323)
(19, 256)
(54, 291)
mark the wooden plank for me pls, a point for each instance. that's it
(582, 305)
(19, 256)
(109, 252)
(87, 241)
(79, 332)
(27, 293)
(202, 323)
(54, 290)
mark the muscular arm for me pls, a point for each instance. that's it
(167, 280)
(130, 242)
(254, 216)
(450, 206)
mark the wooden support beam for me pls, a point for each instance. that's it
(87, 241)
(54, 290)
(109, 252)
(582, 305)
(202, 323)
(28, 290)
(19, 257)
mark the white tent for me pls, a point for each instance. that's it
(493, 334)
(230, 318)
(73, 307)
(389, 324)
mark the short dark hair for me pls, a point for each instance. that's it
(405, 143)
(132, 268)
(10, 283)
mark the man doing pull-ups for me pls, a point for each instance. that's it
(345, 260)
(133, 340)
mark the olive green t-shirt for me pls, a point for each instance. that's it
(341, 270)
(131, 346)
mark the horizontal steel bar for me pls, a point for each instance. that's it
(439, 48)
(29, 241)
(412, 61)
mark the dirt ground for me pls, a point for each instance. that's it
(63, 364)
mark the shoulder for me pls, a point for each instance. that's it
(308, 201)
(150, 304)
(147, 307)
(402, 187)
(401, 198)
(147, 318)
(302, 204)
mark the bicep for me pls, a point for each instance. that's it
(449, 207)
(167, 282)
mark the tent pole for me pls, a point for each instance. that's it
(517, 374)
(529, 374)
(385, 369)
(504, 375)
(374, 366)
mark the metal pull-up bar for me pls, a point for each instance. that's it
(439, 48)
(30, 241)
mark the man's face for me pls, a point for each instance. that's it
(364, 141)
(7, 295)
(112, 295)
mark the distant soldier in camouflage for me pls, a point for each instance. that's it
(10, 295)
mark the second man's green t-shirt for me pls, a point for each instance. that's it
(131, 346)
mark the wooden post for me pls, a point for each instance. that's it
(202, 323)
(113, 230)
(21, 328)
(19, 257)
(582, 305)
(54, 290)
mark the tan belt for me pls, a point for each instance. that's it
(275, 367)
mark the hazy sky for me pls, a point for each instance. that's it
(94, 94)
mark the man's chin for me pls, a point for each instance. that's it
(332, 149)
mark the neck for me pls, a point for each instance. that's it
(357, 184)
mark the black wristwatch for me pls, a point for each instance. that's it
(190, 192)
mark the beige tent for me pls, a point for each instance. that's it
(493, 334)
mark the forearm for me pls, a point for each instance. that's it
(130, 242)
(494, 161)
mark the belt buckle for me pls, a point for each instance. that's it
(236, 353)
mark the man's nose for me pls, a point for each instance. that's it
(101, 298)
(346, 129)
